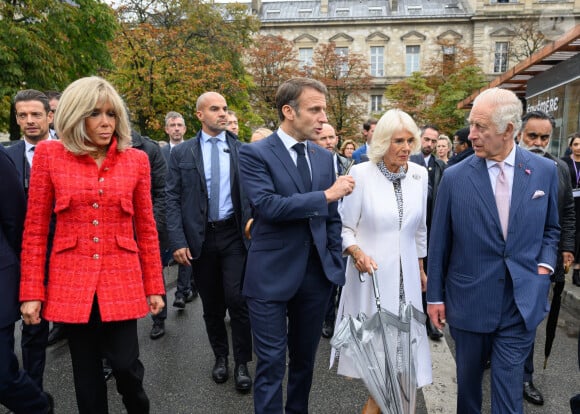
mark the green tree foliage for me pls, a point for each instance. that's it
(453, 78)
(46, 44)
(411, 95)
(167, 53)
(432, 96)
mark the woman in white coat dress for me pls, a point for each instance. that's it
(383, 227)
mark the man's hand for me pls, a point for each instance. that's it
(436, 312)
(567, 258)
(31, 312)
(183, 256)
(543, 270)
(343, 186)
(156, 304)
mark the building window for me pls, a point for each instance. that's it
(500, 62)
(377, 61)
(342, 61)
(305, 57)
(413, 53)
(375, 11)
(342, 12)
(448, 60)
(305, 13)
(376, 103)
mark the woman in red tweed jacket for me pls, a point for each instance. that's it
(104, 269)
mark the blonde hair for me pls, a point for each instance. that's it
(260, 134)
(77, 103)
(445, 138)
(392, 122)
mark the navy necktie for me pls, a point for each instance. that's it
(302, 166)
(214, 195)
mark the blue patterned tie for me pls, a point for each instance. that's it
(214, 194)
(302, 166)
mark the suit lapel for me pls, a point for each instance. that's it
(282, 154)
(521, 182)
(313, 154)
(198, 159)
(479, 176)
(233, 164)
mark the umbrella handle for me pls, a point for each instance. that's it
(373, 275)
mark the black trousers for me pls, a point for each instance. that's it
(118, 342)
(218, 275)
(34, 341)
(18, 392)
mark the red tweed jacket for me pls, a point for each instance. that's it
(105, 241)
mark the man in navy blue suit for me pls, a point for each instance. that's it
(494, 243)
(295, 253)
(206, 214)
(18, 392)
(185, 290)
(34, 116)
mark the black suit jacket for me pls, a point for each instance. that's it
(186, 194)
(12, 213)
(435, 171)
(16, 153)
(166, 150)
(566, 214)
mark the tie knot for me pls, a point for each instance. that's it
(32, 148)
(214, 140)
(500, 165)
(299, 148)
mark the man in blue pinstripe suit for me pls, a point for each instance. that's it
(493, 246)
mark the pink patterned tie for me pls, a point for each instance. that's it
(502, 198)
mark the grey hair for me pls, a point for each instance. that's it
(507, 108)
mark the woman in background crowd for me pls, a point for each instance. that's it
(347, 148)
(105, 267)
(443, 148)
(260, 133)
(573, 161)
(384, 229)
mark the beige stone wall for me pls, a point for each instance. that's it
(488, 24)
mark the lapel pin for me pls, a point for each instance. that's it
(528, 171)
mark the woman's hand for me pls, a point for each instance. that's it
(362, 262)
(156, 304)
(31, 312)
(423, 281)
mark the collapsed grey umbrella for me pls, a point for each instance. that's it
(384, 348)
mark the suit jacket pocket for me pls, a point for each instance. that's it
(266, 245)
(64, 243)
(127, 206)
(127, 243)
(62, 203)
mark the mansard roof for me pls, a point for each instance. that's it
(309, 10)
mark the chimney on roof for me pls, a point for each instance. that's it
(256, 6)
(323, 6)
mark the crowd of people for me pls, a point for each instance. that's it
(274, 234)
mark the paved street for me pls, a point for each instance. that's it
(178, 379)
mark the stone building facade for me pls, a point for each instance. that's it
(398, 37)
